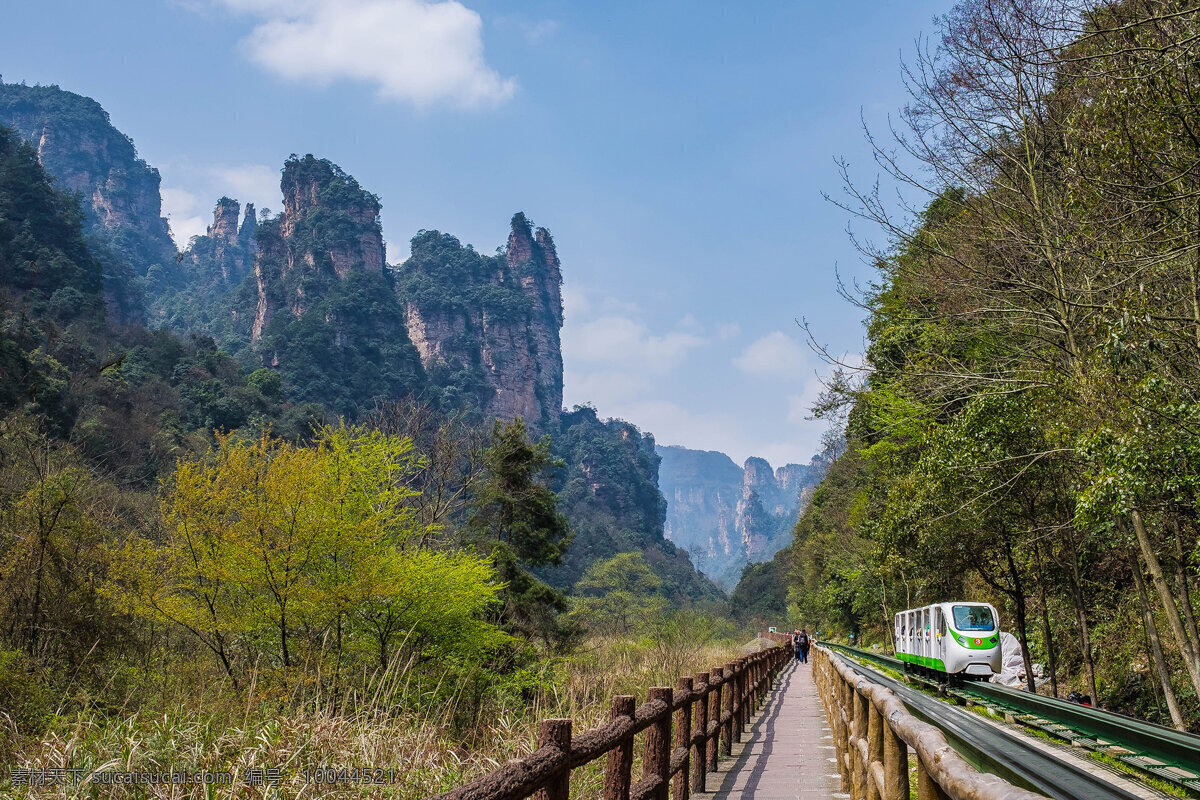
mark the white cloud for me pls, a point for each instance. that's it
(800, 405)
(605, 388)
(537, 31)
(413, 51)
(671, 423)
(629, 365)
(251, 183)
(621, 340)
(184, 211)
(575, 303)
(774, 355)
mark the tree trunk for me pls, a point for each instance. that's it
(1052, 661)
(888, 624)
(283, 636)
(1164, 595)
(1018, 596)
(1085, 636)
(1156, 654)
(1183, 590)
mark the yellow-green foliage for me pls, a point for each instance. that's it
(267, 542)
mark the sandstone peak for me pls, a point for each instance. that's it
(758, 474)
(502, 318)
(225, 220)
(249, 222)
(348, 230)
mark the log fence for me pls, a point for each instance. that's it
(873, 734)
(686, 730)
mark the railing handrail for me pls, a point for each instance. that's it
(677, 741)
(872, 732)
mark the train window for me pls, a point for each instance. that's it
(973, 618)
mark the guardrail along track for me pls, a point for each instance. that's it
(1154, 749)
(685, 730)
(873, 732)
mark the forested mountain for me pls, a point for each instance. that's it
(293, 318)
(76, 143)
(726, 516)
(1026, 430)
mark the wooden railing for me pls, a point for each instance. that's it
(873, 731)
(686, 730)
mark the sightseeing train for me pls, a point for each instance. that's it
(957, 640)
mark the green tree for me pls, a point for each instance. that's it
(618, 594)
(269, 541)
(515, 519)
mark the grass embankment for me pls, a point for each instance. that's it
(397, 724)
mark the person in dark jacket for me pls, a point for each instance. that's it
(803, 643)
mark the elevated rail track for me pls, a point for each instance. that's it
(1156, 750)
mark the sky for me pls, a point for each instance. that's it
(677, 151)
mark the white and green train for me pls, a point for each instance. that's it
(956, 640)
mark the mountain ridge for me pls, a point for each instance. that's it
(727, 516)
(305, 302)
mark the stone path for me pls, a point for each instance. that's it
(788, 753)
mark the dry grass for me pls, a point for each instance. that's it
(304, 732)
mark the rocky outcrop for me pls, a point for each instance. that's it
(329, 229)
(217, 261)
(225, 221)
(247, 230)
(490, 323)
(119, 193)
(727, 517)
(77, 144)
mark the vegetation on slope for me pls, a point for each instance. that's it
(1026, 431)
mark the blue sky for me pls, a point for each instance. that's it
(676, 150)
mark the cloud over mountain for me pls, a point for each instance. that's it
(413, 51)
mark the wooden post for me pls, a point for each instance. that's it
(683, 738)
(895, 765)
(727, 702)
(699, 761)
(875, 726)
(556, 733)
(656, 755)
(739, 702)
(926, 788)
(714, 716)
(862, 765)
(619, 766)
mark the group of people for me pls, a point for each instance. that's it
(801, 641)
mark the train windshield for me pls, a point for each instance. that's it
(973, 618)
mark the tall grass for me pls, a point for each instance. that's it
(402, 720)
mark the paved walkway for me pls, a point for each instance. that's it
(788, 753)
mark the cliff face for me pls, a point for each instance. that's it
(329, 229)
(727, 517)
(78, 146)
(318, 304)
(490, 325)
(224, 255)
(610, 493)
